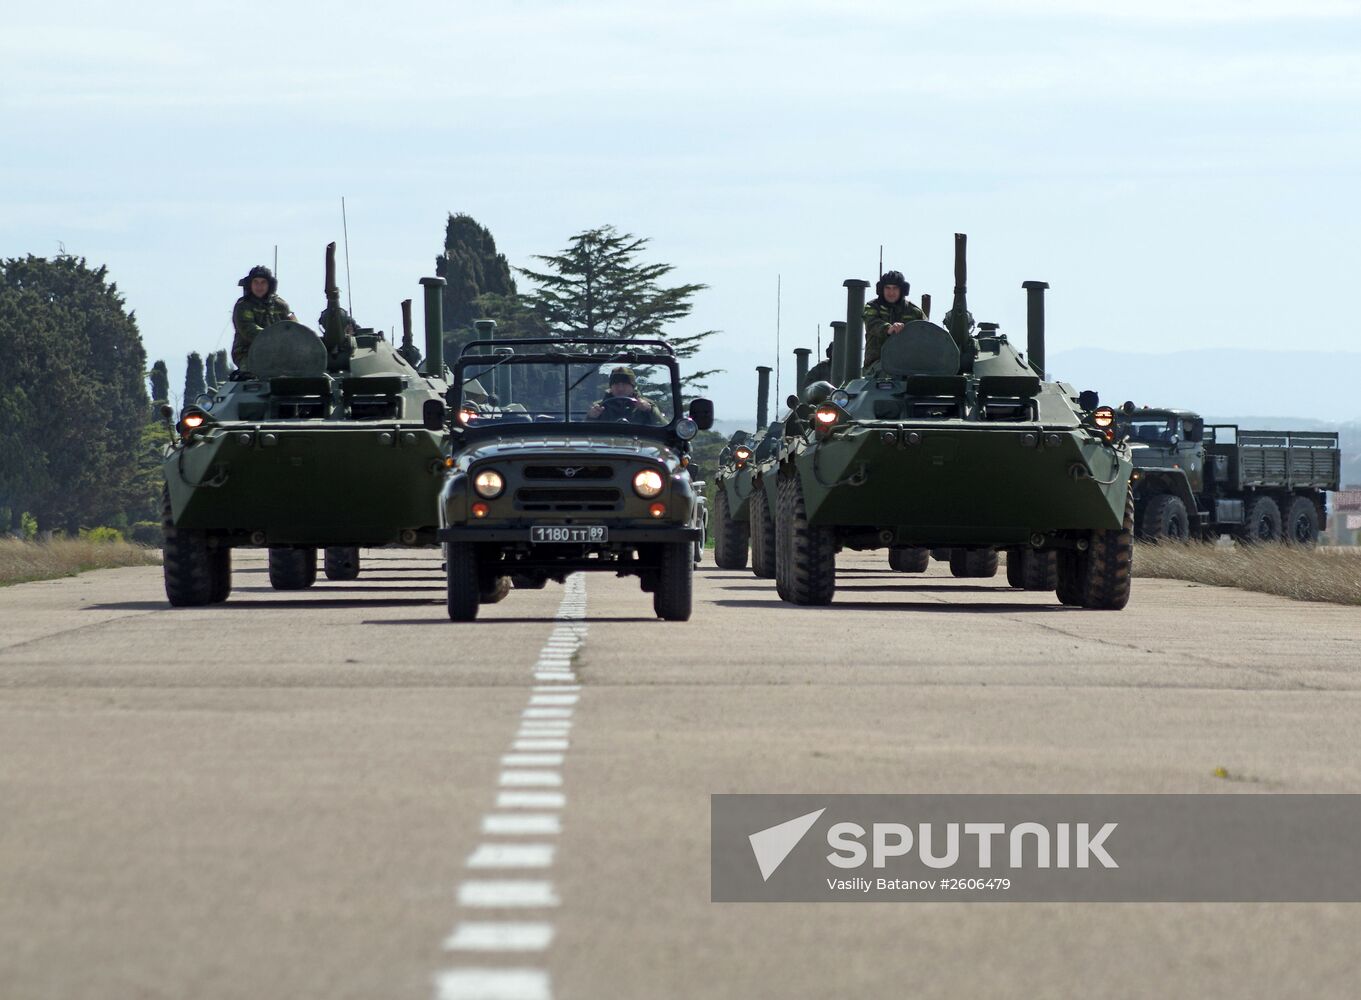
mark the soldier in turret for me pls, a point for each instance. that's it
(259, 307)
(886, 314)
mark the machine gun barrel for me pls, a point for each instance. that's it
(406, 323)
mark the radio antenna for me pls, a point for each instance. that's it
(345, 229)
(276, 262)
(779, 288)
(881, 260)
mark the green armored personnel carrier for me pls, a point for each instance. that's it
(330, 441)
(732, 529)
(952, 441)
(580, 464)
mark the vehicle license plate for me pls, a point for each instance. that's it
(569, 533)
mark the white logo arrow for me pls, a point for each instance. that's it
(772, 845)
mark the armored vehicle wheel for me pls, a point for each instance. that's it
(464, 589)
(342, 562)
(810, 566)
(1165, 518)
(1262, 523)
(292, 569)
(762, 532)
(1070, 576)
(909, 559)
(675, 583)
(1029, 569)
(187, 562)
(494, 589)
(1299, 521)
(730, 537)
(941, 555)
(1109, 565)
(973, 563)
(527, 581)
(220, 565)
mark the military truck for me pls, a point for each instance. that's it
(1193, 480)
(319, 441)
(556, 476)
(732, 527)
(955, 441)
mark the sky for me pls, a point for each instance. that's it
(1184, 173)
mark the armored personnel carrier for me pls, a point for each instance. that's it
(955, 441)
(732, 528)
(330, 441)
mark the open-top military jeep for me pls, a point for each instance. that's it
(577, 460)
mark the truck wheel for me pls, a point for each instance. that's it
(1071, 573)
(342, 562)
(810, 574)
(1299, 521)
(762, 532)
(1263, 522)
(1109, 565)
(909, 559)
(973, 563)
(292, 569)
(730, 537)
(220, 566)
(1030, 569)
(461, 576)
(1165, 518)
(187, 562)
(673, 597)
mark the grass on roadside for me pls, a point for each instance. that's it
(23, 562)
(1305, 574)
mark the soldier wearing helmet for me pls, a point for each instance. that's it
(886, 314)
(623, 401)
(259, 307)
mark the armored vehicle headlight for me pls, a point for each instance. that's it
(826, 416)
(648, 483)
(1103, 416)
(193, 421)
(841, 397)
(743, 455)
(489, 484)
(686, 428)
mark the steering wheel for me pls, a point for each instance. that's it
(617, 408)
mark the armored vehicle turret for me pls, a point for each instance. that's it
(959, 441)
(330, 440)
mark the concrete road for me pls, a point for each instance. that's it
(339, 794)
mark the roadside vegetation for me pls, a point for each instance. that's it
(1305, 574)
(23, 562)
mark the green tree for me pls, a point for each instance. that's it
(160, 386)
(224, 366)
(472, 268)
(210, 370)
(194, 385)
(599, 286)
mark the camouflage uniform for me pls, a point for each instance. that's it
(652, 415)
(250, 315)
(879, 316)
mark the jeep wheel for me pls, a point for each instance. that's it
(730, 537)
(1030, 569)
(342, 562)
(810, 565)
(762, 533)
(1165, 519)
(978, 564)
(1299, 521)
(464, 590)
(909, 559)
(1262, 523)
(675, 582)
(1110, 564)
(187, 562)
(292, 569)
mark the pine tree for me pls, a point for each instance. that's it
(193, 379)
(160, 385)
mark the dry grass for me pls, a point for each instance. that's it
(1305, 574)
(22, 562)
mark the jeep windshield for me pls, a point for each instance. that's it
(620, 391)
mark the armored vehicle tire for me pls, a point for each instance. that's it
(973, 563)
(526, 581)
(673, 597)
(1262, 522)
(1110, 565)
(810, 570)
(730, 537)
(187, 562)
(1029, 569)
(782, 501)
(1299, 521)
(342, 562)
(220, 565)
(461, 576)
(1070, 568)
(1165, 518)
(762, 534)
(292, 569)
(941, 555)
(909, 559)
(493, 590)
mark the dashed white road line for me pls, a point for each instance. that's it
(531, 768)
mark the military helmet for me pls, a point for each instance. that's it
(622, 374)
(260, 271)
(891, 278)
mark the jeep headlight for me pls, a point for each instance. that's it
(489, 484)
(648, 483)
